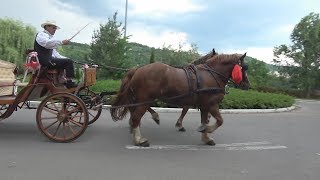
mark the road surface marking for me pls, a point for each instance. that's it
(256, 146)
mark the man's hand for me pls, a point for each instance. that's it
(65, 42)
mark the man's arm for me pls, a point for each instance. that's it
(44, 40)
(56, 54)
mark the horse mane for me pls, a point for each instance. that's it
(203, 59)
(225, 58)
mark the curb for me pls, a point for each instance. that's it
(222, 111)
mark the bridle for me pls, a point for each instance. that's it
(211, 70)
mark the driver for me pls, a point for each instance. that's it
(45, 45)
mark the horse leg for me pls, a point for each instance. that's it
(155, 115)
(203, 128)
(135, 122)
(214, 110)
(180, 119)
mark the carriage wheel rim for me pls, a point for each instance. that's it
(93, 114)
(64, 121)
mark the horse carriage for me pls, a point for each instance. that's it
(63, 114)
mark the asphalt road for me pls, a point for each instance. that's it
(249, 146)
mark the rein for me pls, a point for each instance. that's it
(211, 70)
(205, 90)
(102, 66)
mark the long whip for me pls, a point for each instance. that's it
(78, 32)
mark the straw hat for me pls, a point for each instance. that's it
(53, 23)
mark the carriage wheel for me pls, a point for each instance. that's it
(90, 99)
(3, 108)
(62, 117)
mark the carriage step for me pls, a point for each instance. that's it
(21, 84)
(7, 99)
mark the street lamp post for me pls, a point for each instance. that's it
(125, 20)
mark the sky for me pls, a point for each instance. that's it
(229, 26)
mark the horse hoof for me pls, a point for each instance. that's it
(211, 143)
(202, 128)
(182, 129)
(144, 144)
(157, 121)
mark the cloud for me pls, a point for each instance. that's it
(158, 37)
(163, 8)
(261, 53)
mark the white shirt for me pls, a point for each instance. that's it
(45, 39)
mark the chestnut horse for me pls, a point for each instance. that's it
(203, 87)
(178, 125)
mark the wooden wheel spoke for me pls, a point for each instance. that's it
(64, 131)
(51, 125)
(54, 104)
(55, 133)
(75, 122)
(50, 110)
(72, 131)
(73, 110)
(48, 118)
(92, 115)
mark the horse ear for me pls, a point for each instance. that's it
(213, 51)
(243, 56)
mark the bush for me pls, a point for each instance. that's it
(106, 85)
(240, 99)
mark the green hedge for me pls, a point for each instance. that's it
(106, 85)
(240, 99)
(236, 99)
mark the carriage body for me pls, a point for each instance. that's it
(62, 114)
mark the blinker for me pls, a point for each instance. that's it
(237, 74)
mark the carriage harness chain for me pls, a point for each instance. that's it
(194, 92)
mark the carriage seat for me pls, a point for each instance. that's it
(7, 78)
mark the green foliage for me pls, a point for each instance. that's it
(302, 58)
(106, 85)
(152, 56)
(109, 47)
(258, 72)
(239, 99)
(76, 51)
(178, 57)
(15, 38)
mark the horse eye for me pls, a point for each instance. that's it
(244, 67)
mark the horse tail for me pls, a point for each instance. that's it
(118, 113)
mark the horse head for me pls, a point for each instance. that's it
(244, 83)
(231, 67)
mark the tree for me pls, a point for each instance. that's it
(178, 57)
(15, 38)
(302, 58)
(109, 47)
(258, 72)
(152, 56)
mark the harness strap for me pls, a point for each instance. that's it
(198, 77)
(215, 78)
(189, 79)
